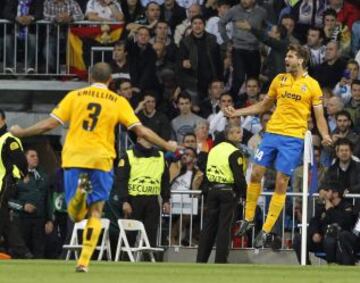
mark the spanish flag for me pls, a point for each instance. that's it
(104, 34)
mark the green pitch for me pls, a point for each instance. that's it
(61, 272)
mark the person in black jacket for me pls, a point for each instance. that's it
(13, 165)
(332, 215)
(199, 60)
(23, 14)
(142, 175)
(172, 13)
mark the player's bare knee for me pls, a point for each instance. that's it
(256, 175)
(95, 209)
(282, 182)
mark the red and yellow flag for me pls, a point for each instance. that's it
(105, 34)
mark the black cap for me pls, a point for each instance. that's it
(334, 186)
(198, 17)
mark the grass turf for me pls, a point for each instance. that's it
(18, 271)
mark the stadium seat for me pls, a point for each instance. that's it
(141, 245)
(103, 247)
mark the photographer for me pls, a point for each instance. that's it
(332, 215)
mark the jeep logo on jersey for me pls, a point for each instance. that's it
(215, 174)
(144, 185)
(293, 96)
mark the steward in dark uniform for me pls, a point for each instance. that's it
(13, 165)
(331, 217)
(142, 176)
(225, 174)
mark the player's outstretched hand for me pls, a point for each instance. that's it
(229, 111)
(327, 141)
(16, 130)
(173, 146)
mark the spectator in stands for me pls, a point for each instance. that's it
(343, 87)
(59, 12)
(204, 141)
(149, 117)
(190, 141)
(355, 38)
(345, 169)
(172, 13)
(192, 11)
(199, 59)
(330, 72)
(210, 105)
(353, 106)
(142, 59)
(125, 89)
(246, 56)
(314, 43)
(218, 121)
(152, 16)
(334, 105)
(332, 30)
(184, 175)
(163, 64)
(212, 25)
(186, 121)
(23, 13)
(132, 10)
(104, 10)
(276, 39)
(120, 65)
(288, 22)
(333, 214)
(161, 34)
(251, 94)
(36, 215)
(349, 244)
(307, 13)
(342, 130)
(347, 13)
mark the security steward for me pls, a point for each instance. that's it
(142, 175)
(225, 174)
(13, 166)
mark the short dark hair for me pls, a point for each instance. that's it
(189, 134)
(281, 29)
(343, 113)
(288, 16)
(2, 114)
(329, 12)
(355, 82)
(150, 93)
(220, 3)
(183, 95)
(319, 30)
(301, 52)
(198, 17)
(344, 141)
(227, 94)
(151, 2)
(101, 72)
(120, 43)
(192, 149)
(253, 79)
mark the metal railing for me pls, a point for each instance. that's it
(41, 48)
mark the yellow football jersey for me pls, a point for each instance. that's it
(92, 114)
(294, 97)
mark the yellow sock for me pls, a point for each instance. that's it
(77, 208)
(90, 239)
(276, 205)
(252, 195)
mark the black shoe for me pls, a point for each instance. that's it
(261, 239)
(84, 183)
(244, 227)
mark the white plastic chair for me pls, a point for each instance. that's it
(142, 243)
(104, 246)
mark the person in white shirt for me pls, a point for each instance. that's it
(218, 121)
(212, 25)
(103, 10)
(343, 87)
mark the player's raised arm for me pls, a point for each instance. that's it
(41, 127)
(257, 108)
(322, 125)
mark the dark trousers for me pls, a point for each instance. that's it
(220, 213)
(328, 245)
(349, 246)
(33, 231)
(147, 210)
(246, 64)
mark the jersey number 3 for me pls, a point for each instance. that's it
(90, 124)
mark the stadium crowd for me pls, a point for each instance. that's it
(180, 63)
